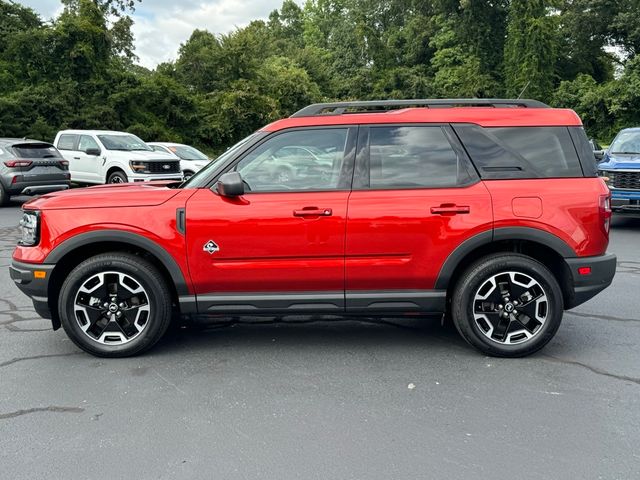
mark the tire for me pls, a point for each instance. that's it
(516, 284)
(4, 197)
(187, 174)
(117, 177)
(120, 325)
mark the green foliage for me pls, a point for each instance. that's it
(79, 70)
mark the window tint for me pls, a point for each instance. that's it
(86, 142)
(296, 161)
(36, 150)
(521, 152)
(412, 157)
(66, 142)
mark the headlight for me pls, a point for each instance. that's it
(30, 228)
(138, 166)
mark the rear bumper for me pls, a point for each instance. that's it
(19, 184)
(585, 287)
(36, 288)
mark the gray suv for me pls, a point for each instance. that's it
(30, 167)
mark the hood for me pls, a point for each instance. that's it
(611, 161)
(106, 196)
(147, 156)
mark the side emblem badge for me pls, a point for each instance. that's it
(211, 247)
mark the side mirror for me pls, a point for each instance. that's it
(92, 151)
(230, 185)
(599, 154)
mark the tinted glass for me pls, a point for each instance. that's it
(86, 142)
(296, 161)
(36, 150)
(412, 157)
(521, 152)
(66, 142)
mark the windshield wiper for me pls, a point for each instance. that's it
(626, 153)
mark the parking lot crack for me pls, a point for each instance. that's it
(36, 357)
(595, 370)
(51, 408)
(603, 317)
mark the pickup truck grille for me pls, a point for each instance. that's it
(163, 167)
(625, 180)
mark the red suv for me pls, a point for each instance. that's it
(490, 211)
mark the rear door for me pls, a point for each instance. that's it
(89, 163)
(280, 246)
(415, 199)
(67, 144)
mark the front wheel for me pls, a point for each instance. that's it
(507, 305)
(115, 305)
(117, 177)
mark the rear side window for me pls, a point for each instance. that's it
(521, 152)
(36, 150)
(413, 157)
(67, 142)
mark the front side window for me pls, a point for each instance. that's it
(87, 142)
(412, 157)
(296, 161)
(127, 143)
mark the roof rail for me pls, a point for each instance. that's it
(372, 106)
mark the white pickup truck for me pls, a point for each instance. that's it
(103, 156)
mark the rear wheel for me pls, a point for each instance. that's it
(4, 197)
(115, 305)
(117, 177)
(187, 174)
(507, 305)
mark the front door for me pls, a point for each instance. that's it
(415, 201)
(87, 165)
(280, 246)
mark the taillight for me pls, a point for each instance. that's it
(18, 163)
(605, 212)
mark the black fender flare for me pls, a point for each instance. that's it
(130, 238)
(487, 237)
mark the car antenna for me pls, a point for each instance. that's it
(523, 90)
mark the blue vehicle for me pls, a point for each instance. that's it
(621, 165)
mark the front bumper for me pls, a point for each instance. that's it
(585, 287)
(173, 177)
(625, 201)
(35, 286)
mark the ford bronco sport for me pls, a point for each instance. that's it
(490, 211)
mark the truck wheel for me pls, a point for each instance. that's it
(187, 174)
(115, 305)
(117, 177)
(507, 305)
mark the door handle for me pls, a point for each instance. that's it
(76, 158)
(313, 212)
(450, 209)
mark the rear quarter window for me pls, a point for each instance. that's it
(521, 152)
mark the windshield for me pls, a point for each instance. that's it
(202, 177)
(185, 152)
(626, 142)
(127, 143)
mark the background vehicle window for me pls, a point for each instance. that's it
(87, 142)
(67, 142)
(412, 157)
(300, 160)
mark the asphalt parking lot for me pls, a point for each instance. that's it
(326, 400)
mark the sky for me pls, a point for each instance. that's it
(162, 25)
